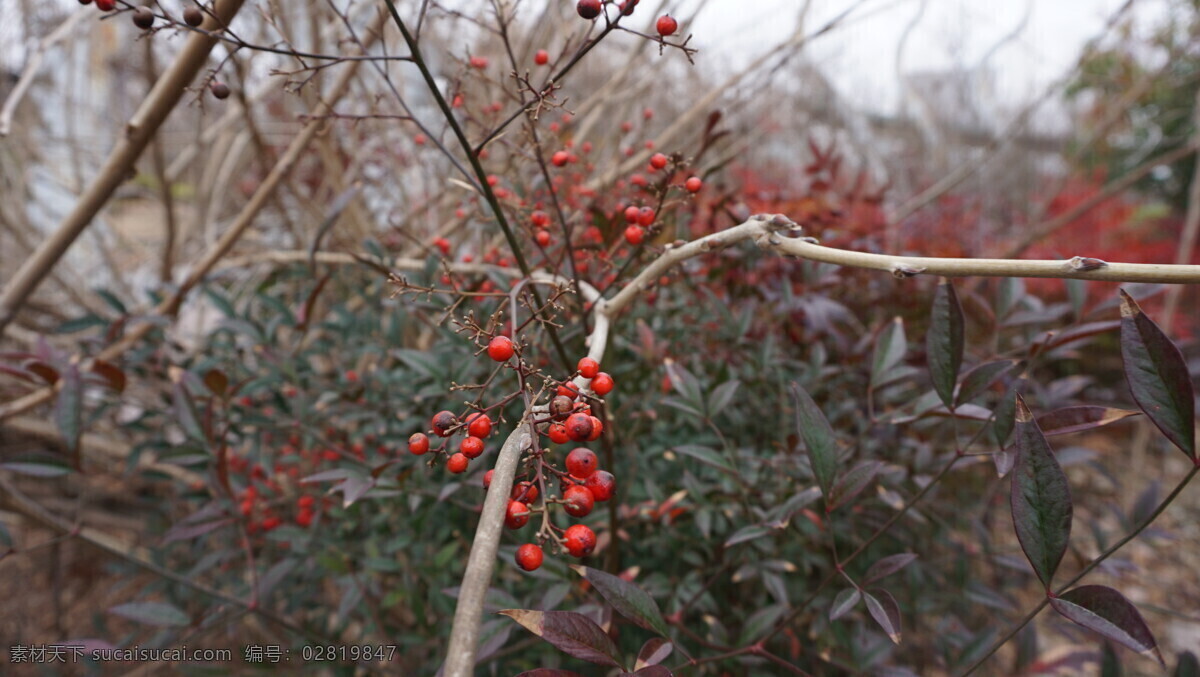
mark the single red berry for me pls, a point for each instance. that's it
(500, 349)
(558, 433)
(588, 367)
(666, 25)
(578, 501)
(658, 161)
(273, 521)
(517, 515)
(443, 245)
(525, 492)
(471, 447)
(418, 444)
(635, 234)
(602, 484)
(560, 158)
(581, 462)
(143, 18)
(568, 389)
(602, 384)
(645, 216)
(579, 540)
(479, 62)
(631, 214)
(597, 429)
(588, 9)
(579, 427)
(442, 422)
(529, 557)
(542, 238)
(306, 502)
(487, 478)
(693, 184)
(304, 518)
(647, 113)
(457, 464)
(541, 57)
(479, 425)
(219, 89)
(627, 7)
(106, 5)
(539, 219)
(193, 17)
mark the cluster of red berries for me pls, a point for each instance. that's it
(477, 425)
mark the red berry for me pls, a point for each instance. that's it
(597, 429)
(579, 427)
(658, 161)
(602, 384)
(558, 433)
(500, 349)
(471, 447)
(106, 5)
(541, 58)
(579, 540)
(442, 422)
(666, 25)
(588, 367)
(272, 521)
(634, 235)
(525, 492)
(602, 484)
(631, 214)
(479, 425)
(517, 515)
(560, 158)
(578, 501)
(542, 238)
(351, 375)
(627, 7)
(304, 518)
(539, 219)
(443, 245)
(693, 184)
(479, 62)
(568, 389)
(418, 444)
(588, 9)
(581, 462)
(305, 502)
(487, 478)
(529, 557)
(457, 464)
(645, 216)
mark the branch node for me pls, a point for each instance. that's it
(901, 271)
(1083, 264)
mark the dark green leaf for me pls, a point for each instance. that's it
(1110, 663)
(747, 533)
(68, 411)
(1158, 376)
(1106, 611)
(853, 482)
(889, 350)
(45, 468)
(704, 455)
(185, 412)
(573, 633)
(888, 566)
(721, 396)
(818, 437)
(944, 341)
(152, 613)
(1040, 496)
(978, 380)
(627, 599)
(844, 603)
(1187, 666)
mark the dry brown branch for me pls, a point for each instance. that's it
(141, 128)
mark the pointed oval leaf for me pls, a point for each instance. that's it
(845, 601)
(1002, 425)
(570, 632)
(747, 533)
(1003, 461)
(721, 396)
(152, 613)
(889, 350)
(1106, 611)
(1187, 666)
(1158, 376)
(853, 482)
(885, 611)
(1077, 419)
(110, 373)
(653, 652)
(68, 410)
(944, 341)
(888, 566)
(626, 599)
(1040, 497)
(818, 437)
(978, 380)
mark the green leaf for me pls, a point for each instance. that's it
(889, 350)
(747, 533)
(1187, 666)
(152, 613)
(1106, 611)
(68, 410)
(818, 437)
(1040, 497)
(573, 633)
(982, 377)
(626, 599)
(721, 396)
(185, 412)
(47, 468)
(888, 566)
(944, 341)
(844, 603)
(885, 611)
(704, 455)
(853, 482)
(1158, 376)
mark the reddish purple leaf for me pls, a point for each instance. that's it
(110, 373)
(885, 611)
(650, 671)
(44, 371)
(1106, 611)
(627, 599)
(845, 601)
(1077, 419)
(944, 341)
(1040, 497)
(217, 382)
(653, 652)
(982, 377)
(570, 632)
(1158, 376)
(888, 566)
(853, 482)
